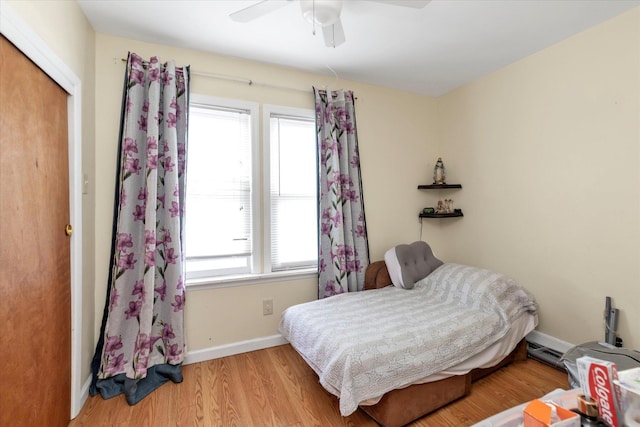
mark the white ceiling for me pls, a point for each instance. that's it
(429, 51)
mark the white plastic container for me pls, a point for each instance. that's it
(514, 417)
(629, 383)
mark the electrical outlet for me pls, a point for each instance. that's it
(267, 307)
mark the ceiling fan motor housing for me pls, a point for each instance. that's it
(321, 12)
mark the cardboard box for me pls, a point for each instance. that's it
(597, 382)
(547, 414)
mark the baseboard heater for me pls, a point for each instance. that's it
(545, 355)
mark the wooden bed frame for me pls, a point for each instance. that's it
(401, 406)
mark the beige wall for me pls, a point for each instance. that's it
(396, 135)
(66, 31)
(547, 150)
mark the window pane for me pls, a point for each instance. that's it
(219, 208)
(294, 241)
(293, 193)
(207, 267)
(215, 227)
(297, 157)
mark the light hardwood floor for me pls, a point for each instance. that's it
(275, 387)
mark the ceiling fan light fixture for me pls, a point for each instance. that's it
(321, 12)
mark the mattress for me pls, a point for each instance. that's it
(366, 344)
(487, 358)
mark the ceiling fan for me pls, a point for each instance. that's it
(324, 13)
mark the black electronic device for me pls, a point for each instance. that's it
(428, 210)
(611, 323)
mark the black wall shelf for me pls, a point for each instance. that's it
(455, 213)
(438, 186)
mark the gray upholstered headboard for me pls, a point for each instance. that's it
(410, 263)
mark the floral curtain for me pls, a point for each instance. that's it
(142, 342)
(343, 252)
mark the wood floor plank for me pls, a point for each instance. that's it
(275, 387)
(226, 392)
(275, 390)
(189, 397)
(257, 400)
(294, 389)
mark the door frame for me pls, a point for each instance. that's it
(26, 40)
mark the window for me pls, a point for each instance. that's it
(292, 198)
(228, 231)
(220, 187)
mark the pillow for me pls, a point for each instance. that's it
(408, 264)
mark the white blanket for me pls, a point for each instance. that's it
(365, 344)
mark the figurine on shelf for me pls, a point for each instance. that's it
(448, 205)
(440, 209)
(438, 172)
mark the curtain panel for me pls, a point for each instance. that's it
(343, 253)
(142, 341)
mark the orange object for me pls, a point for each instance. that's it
(541, 414)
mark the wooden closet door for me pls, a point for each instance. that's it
(35, 294)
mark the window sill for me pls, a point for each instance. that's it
(248, 279)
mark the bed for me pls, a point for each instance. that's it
(409, 345)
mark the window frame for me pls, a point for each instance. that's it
(207, 101)
(267, 111)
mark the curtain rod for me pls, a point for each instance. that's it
(250, 82)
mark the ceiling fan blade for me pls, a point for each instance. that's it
(416, 4)
(257, 10)
(333, 34)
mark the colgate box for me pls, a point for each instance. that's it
(596, 381)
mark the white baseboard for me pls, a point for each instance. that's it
(548, 341)
(239, 347)
(233, 348)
